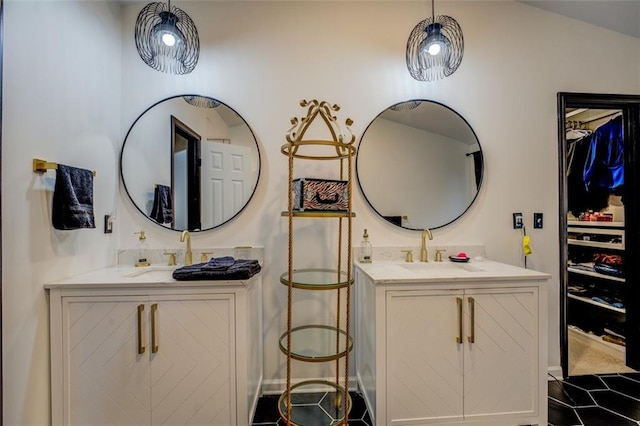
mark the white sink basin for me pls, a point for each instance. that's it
(153, 273)
(441, 267)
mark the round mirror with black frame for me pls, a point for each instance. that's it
(190, 162)
(419, 165)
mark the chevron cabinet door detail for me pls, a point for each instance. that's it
(422, 382)
(156, 355)
(191, 376)
(461, 355)
(501, 368)
(454, 352)
(107, 381)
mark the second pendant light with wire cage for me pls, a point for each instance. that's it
(435, 47)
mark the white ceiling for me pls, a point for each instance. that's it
(622, 16)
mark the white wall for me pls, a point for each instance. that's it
(61, 102)
(261, 58)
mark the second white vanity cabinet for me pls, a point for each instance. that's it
(450, 349)
(185, 353)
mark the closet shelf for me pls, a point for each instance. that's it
(609, 246)
(595, 224)
(594, 274)
(594, 339)
(593, 302)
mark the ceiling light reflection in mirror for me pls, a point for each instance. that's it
(419, 167)
(201, 151)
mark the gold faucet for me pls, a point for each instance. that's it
(188, 256)
(423, 250)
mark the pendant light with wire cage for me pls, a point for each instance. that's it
(167, 39)
(435, 47)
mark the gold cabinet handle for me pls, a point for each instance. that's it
(472, 321)
(141, 347)
(154, 342)
(459, 303)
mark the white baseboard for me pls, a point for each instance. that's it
(277, 386)
(555, 371)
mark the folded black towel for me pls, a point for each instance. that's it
(219, 263)
(221, 268)
(162, 210)
(73, 198)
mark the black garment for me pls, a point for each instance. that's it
(580, 200)
(73, 199)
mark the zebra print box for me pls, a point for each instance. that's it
(320, 195)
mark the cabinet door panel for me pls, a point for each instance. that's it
(501, 371)
(424, 362)
(191, 373)
(107, 381)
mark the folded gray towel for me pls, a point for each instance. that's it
(222, 268)
(73, 198)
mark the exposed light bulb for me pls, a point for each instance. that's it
(433, 49)
(170, 40)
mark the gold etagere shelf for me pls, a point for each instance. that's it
(320, 342)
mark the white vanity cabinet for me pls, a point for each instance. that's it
(452, 350)
(147, 354)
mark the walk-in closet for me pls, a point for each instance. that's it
(598, 207)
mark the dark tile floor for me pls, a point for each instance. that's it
(596, 400)
(602, 400)
(267, 411)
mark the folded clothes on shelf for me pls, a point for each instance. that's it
(614, 271)
(608, 258)
(608, 301)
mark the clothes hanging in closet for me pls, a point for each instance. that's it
(595, 166)
(605, 160)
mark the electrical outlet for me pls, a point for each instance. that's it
(517, 221)
(537, 220)
(108, 224)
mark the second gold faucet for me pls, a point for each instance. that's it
(188, 256)
(423, 249)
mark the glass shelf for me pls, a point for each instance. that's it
(317, 279)
(317, 343)
(315, 403)
(317, 213)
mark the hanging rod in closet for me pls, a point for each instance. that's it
(575, 112)
(601, 116)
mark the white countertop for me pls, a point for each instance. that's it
(130, 276)
(389, 272)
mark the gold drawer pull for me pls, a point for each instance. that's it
(459, 303)
(154, 342)
(472, 324)
(141, 347)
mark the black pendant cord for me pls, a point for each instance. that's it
(433, 11)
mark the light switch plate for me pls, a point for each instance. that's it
(517, 221)
(537, 220)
